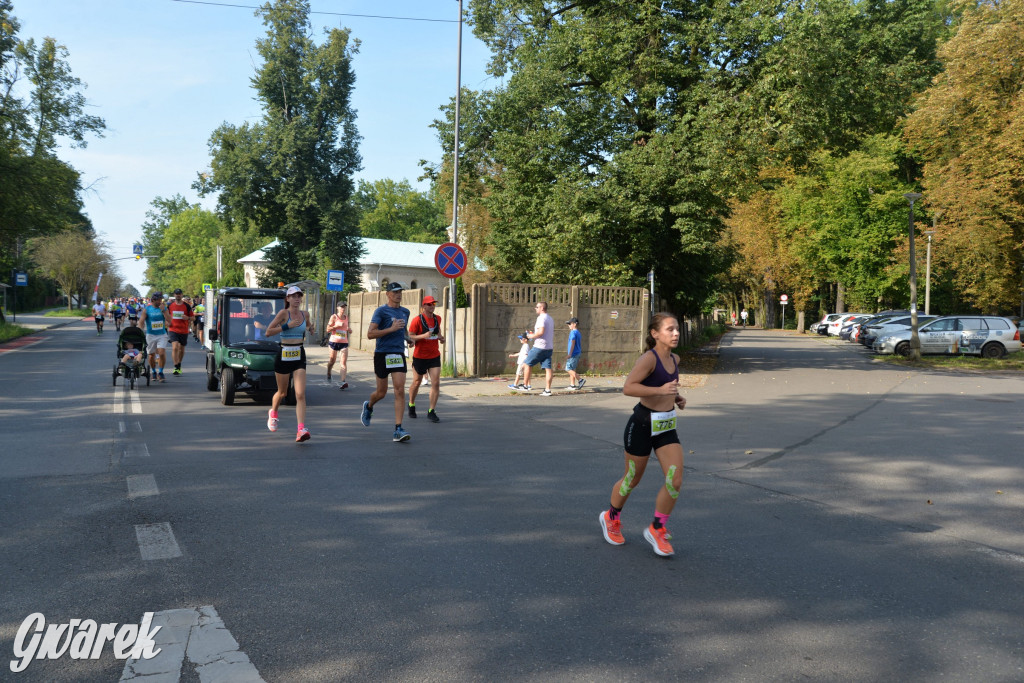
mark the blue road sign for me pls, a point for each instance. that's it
(137, 249)
(335, 280)
(21, 279)
(450, 260)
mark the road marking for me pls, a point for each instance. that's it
(118, 398)
(135, 450)
(120, 426)
(136, 402)
(156, 541)
(199, 634)
(140, 485)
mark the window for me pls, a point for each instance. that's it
(412, 284)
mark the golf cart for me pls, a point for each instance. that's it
(239, 356)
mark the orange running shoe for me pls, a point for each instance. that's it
(656, 537)
(611, 528)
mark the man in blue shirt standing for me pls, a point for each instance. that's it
(388, 326)
(574, 350)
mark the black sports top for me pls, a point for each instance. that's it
(660, 376)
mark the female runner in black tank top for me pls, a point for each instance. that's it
(651, 427)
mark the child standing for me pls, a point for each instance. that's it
(524, 351)
(574, 350)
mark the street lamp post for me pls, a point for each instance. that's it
(928, 272)
(915, 339)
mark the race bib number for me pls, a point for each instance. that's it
(663, 422)
(291, 353)
(340, 337)
(157, 325)
(394, 360)
(177, 315)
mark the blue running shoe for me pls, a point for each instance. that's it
(401, 435)
(367, 413)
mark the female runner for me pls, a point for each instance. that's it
(338, 328)
(652, 426)
(292, 324)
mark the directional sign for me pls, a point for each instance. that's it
(137, 249)
(335, 280)
(450, 260)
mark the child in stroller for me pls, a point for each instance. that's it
(131, 356)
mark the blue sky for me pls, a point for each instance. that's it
(164, 74)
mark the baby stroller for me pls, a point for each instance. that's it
(135, 369)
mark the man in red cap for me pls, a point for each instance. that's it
(425, 330)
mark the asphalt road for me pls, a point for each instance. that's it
(839, 520)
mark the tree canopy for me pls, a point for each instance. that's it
(289, 175)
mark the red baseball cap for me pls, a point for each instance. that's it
(429, 300)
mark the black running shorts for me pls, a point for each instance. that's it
(637, 439)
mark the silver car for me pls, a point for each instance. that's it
(988, 336)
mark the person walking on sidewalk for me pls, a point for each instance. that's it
(338, 328)
(543, 337)
(292, 324)
(425, 330)
(651, 427)
(389, 325)
(744, 315)
(520, 357)
(574, 350)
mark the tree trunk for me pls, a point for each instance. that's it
(840, 298)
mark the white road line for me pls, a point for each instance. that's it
(135, 450)
(121, 426)
(156, 541)
(140, 485)
(135, 426)
(201, 635)
(118, 398)
(136, 402)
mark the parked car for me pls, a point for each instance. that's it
(837, 324)
(988, 336)
(846, 331)
(868, 331)
(891, 325)
(820, 326)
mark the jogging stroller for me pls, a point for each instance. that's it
(137, 368)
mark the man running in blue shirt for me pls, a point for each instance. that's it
(388, 327)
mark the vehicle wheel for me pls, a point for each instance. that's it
(903, 349)
(115, 377)
(211, 376)
(992, 350)
(132, 382)
(148, 375)
(227, 386)
(289, 398)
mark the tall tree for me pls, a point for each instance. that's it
(395, 211)
(969, 130)
(290, 175)
(74, 262)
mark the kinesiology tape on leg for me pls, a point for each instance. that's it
(627, 481)
(672, 490)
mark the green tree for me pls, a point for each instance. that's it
(290, 175)
(158, 218)
(74, 262)
(968, 128)
(391, 210)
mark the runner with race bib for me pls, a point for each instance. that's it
(388, 326)
(338, 329)
(292, 324)
(651, 427)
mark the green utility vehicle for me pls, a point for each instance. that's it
(239, 356)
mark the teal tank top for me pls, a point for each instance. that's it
(297, 332)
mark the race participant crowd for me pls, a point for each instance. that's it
(651, 427)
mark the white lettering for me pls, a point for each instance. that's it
(19, 650)
(145, 644)
(81, 644)
(49, 648)
(126, 637)
(107, 632)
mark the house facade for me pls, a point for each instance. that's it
(383, 262)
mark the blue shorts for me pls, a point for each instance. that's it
(571, 363)
(542, 356)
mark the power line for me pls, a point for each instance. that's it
(336, 14)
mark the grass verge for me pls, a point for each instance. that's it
(1013, 362)
(9, 331)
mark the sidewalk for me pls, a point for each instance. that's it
(360, 363)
